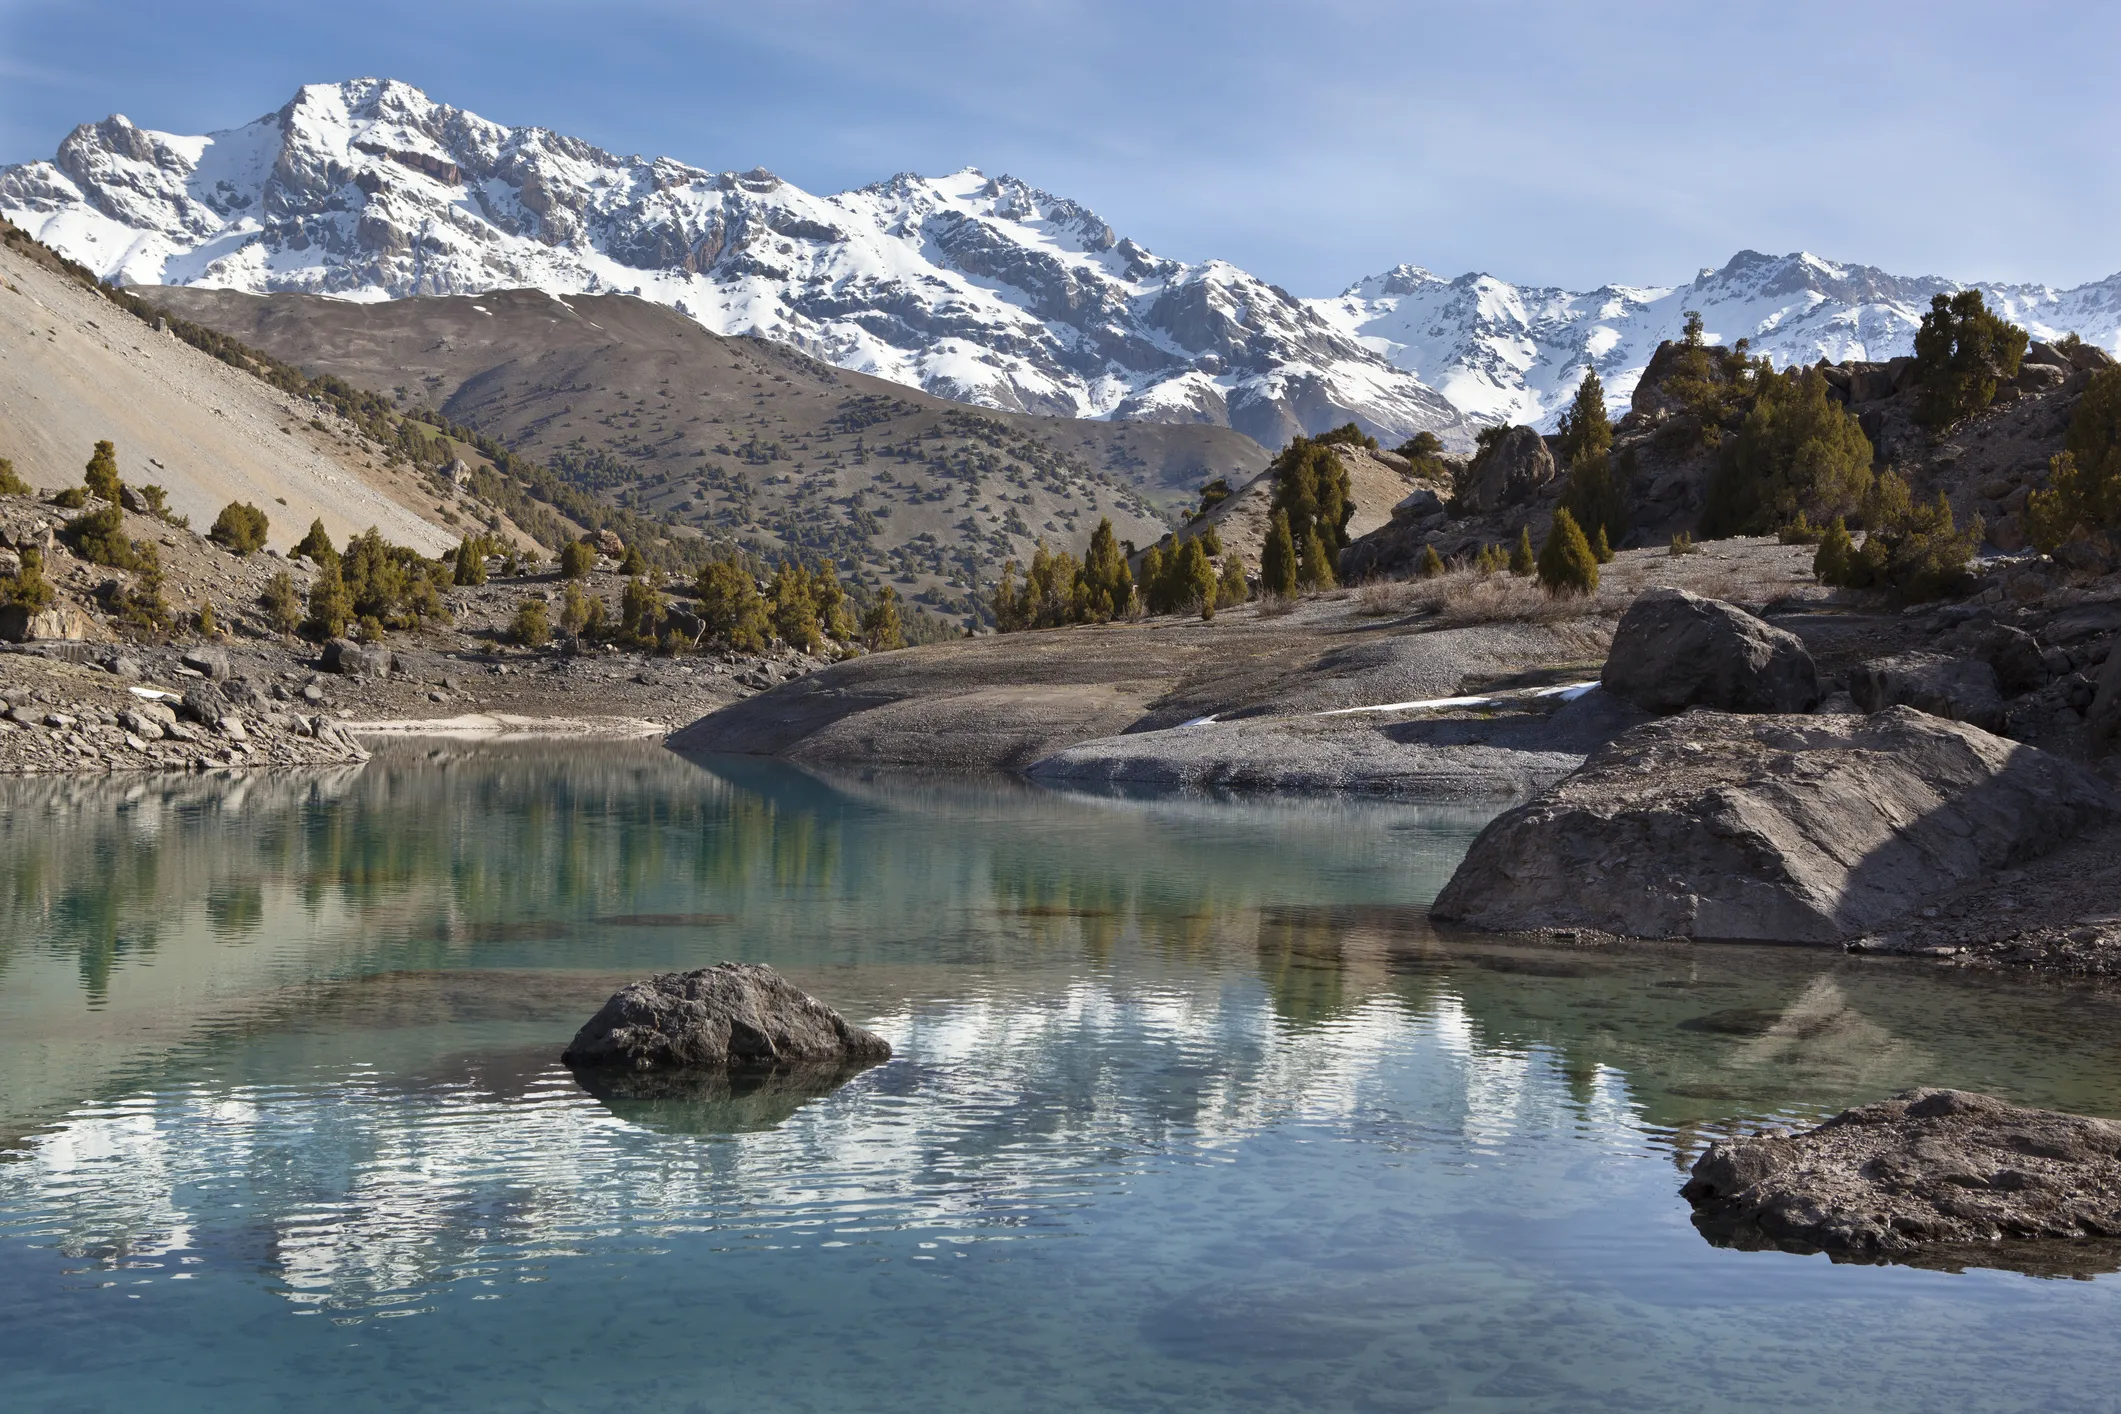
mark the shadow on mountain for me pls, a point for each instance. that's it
(744, 1100)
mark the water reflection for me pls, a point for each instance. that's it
(1203, 1064)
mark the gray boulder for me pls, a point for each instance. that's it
(344, 656)
(1790, 829)
(1936, 1177)
(1418, 504)
(208, 660)
(1960, 689)
(2102, 723)
(206, 704)
(1674, 650)
(1508, 474)
(2015, 656)
(734, 1014)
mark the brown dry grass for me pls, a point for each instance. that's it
(1751, 572)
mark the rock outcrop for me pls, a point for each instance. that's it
(1674, 650)
(1508, 473)
(1798, 829)
(1944, 1177)
(1961, 689)
(733, 1014)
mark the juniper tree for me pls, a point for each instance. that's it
(1108, 586)
(102, 475)
(1585, 430)
(881, 627)
(1566, 562)
(1277, 562)
(240, 528)
(1797, 452)
(1522, 561)
(1963, 352)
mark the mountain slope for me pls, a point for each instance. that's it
(1503, 351)
(75, 370)
(744, 439)
(979, 289)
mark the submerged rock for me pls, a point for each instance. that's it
(734, 1014)
(1797, 829)
(1942, 1177)
(1673, 650)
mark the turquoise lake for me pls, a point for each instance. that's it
(1191, 1110)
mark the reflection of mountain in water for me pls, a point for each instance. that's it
(360, 984)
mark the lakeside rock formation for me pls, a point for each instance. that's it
(1673, 650)
(734, 1014)
(1934, 1177)
(1778, 828)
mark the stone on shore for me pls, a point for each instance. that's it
(1796, 829)
(1674, 650)
(1962, 689)
(350, 659)
(733, 1014)
(1945, 1177)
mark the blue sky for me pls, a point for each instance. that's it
(1545, 142)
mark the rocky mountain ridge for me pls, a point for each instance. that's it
(1509, 352)
(980, 289)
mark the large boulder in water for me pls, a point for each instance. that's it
(734, 1014)
(1674, 650)
(1795, 829)
(1938, 1177)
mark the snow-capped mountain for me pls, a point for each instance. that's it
(1498, 350)
(976, 288)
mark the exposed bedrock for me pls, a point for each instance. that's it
(1931, 1177)
(735, 1014)
(1773, 828)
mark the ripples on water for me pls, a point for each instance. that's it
(1190, 1110)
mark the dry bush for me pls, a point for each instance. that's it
(1381, 598)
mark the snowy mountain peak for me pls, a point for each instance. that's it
(1503, 351)
(982, 288)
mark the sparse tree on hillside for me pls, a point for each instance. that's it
(240, 528)
(470, 567)
(1233, 588)
(1311, 487)
(794, 609)
(882, 630)
(577, 559)
(1430, 564)
(27, 586)
(1798, 452)
(1108, 587)
(316, 546)
(11, 484)
(1522, 561)
(1962, 353)
(283, 606)
(330, 606)
(2084, 480)
(1566, 562)
(532, 627)
(1585, 429)
(102, 476)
